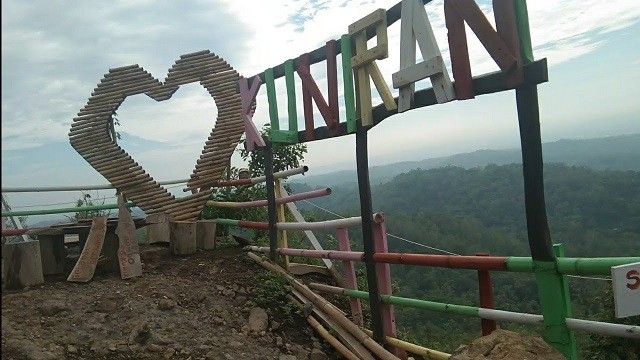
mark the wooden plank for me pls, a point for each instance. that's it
(282, 234)
(271, 99)
(381, 85)
(504, 13)
(88, 260)
(128, 251)
(307, 101)
(415, 26)
(248, 98)
(372, 19)
(457, 12)
(304, 269)
(347, 78)
(490, 39)
(291, 97)
(407, 54)
(416, 72)
(363, 84)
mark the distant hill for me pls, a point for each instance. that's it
(607, 153)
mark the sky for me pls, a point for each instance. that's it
(55, 52)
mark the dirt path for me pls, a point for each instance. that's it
(194, 307)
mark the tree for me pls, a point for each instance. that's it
(609, 347)
(84, 201)
(284, 156)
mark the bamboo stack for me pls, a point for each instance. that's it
(91, 138)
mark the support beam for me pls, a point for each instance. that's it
(362, 164)
(271, 200)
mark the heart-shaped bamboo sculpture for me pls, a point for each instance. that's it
(91, 138)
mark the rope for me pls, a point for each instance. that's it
(388, 234)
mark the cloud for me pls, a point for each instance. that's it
(54, 53)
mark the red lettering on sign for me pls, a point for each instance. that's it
(635, 276)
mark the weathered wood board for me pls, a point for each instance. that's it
(128, 251)
(86, 265)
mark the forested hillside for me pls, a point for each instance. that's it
(607, 153)
(592, 213)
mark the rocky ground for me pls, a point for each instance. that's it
(196, 307)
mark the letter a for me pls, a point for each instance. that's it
(415, 26)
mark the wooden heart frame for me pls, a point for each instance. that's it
(90, 132)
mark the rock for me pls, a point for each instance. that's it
(140, 333)
(239, 301)
(316, 354)
(258, 320)
(506, 345)
(99, 348)
(166, 304)
(110, 305)
(72, 349)
(279, 341)
(52, 307)
(287, 357)
(275, 325)
(154, 348)
(169, 353)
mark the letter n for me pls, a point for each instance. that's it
(415, 26)
(248, 97)
(503, 45)
(311, 91)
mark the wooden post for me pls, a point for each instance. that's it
(271, 200)
(52, 253)
(159, 229)
(183, 237)
(350, 276)
(485, 289)
(282, 233)
(22, 264)
(383, 274)
(364, 186)
(206, 235)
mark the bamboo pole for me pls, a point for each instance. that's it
(325, 334)
(325, 306)
(281, 219)
(413, 348)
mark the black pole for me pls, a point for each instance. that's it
(366, 211)
(271, 200)
(532, 168)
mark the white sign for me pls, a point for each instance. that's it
(626, 289)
